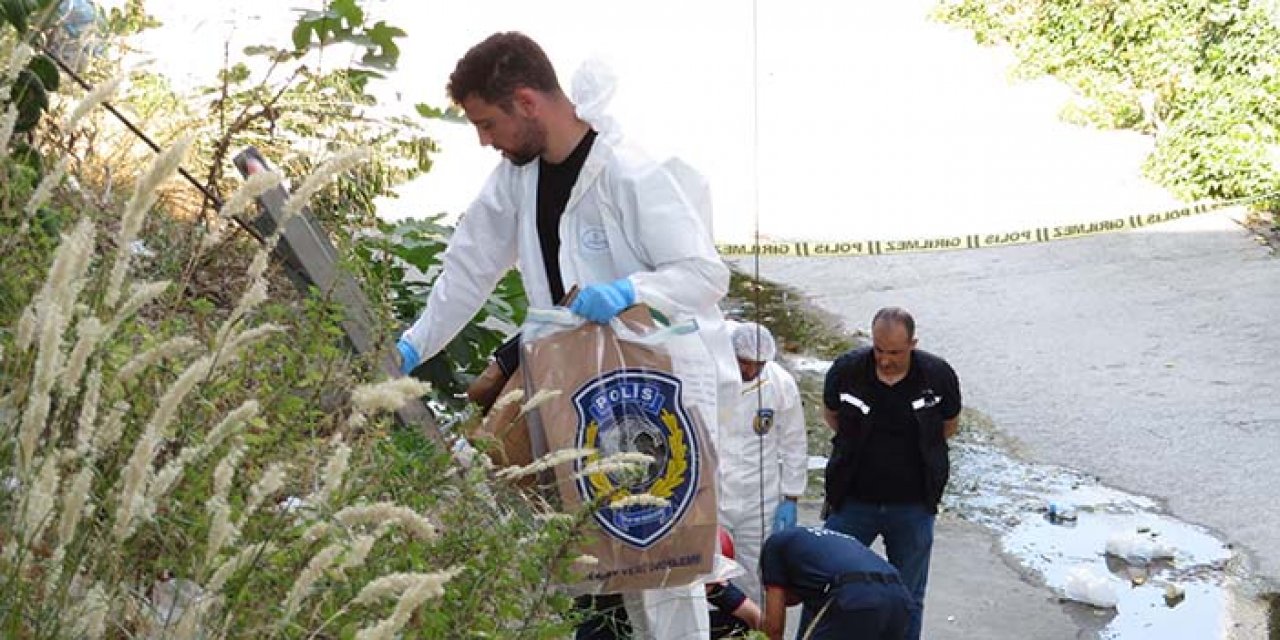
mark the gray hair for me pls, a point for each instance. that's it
(898, 315)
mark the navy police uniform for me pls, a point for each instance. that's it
(847, 590)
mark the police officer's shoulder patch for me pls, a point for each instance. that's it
(637, 411)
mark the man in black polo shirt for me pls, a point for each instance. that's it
(847, 590)
(893, 407)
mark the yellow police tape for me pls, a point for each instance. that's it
(842, 248)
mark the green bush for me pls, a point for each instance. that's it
(1206, 69)
(420, 245)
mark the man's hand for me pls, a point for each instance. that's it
(784, 517)
(602, 302)
(409, 358)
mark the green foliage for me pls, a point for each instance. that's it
(25, 242)
(291, 107)
(498, 562)
(503, 561)
(313, 108)
(29, 91)
(129, 19)
(510, 559)
(1207, 71)
(343, 21)
(46, 71)
(1211, 151)
(31, 97)
(317, 110)
(448, 114)
(419, 245)
(23, 14)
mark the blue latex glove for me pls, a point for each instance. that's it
(602, 302)
(785, 516)
(409, 358)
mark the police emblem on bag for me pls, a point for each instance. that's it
(637, 411)
(763, 422)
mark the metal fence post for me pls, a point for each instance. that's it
(311, 260)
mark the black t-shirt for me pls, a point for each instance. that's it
(555, 183)
(891, 467)
(804, 560)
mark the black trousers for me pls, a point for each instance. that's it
(603, 618)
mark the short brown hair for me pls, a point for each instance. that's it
(502, 63)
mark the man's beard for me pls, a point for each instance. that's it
(533, 141)
(525, 157)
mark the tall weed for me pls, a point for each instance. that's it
(178, 470)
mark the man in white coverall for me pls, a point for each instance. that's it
(572, 203)
(763, 452)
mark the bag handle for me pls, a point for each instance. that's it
(562, 317)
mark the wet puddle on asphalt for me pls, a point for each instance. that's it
(1179, 582)
(1196, 587)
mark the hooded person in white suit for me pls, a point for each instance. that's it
(763, 451)
(574, 204)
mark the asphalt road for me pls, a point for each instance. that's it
(1146, 358)
(973, 592)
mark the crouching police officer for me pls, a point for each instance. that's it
(847, 590)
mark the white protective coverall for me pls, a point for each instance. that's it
(627, 216)
(757, 469)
